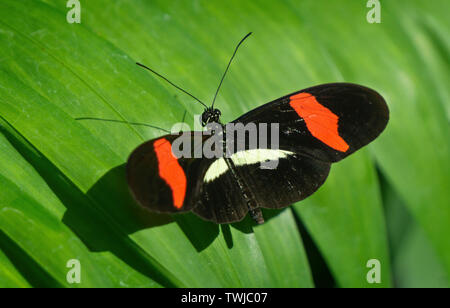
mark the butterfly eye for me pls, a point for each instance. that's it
(205, 116)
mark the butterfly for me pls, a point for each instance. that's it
(316, 127)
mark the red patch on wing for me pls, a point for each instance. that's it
(320, 121)
(171, 171)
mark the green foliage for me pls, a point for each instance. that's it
(63, 191)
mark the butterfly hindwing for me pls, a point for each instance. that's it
(221, 198)
(293, 178)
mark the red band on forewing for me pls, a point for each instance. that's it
(320, 121)
(171, 171)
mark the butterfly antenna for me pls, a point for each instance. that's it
(184, 116)
(125, 122)
(170, 82)
(228, 66)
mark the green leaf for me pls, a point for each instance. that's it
(81, 168)
(410, 248)
(10, 277)
(65, 195)
(415, 150)
(346, 220)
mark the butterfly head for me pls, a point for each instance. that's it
(210, 115)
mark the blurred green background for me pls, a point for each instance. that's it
(62, 189)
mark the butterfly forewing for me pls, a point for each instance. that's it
(295, 178)
(326, 122)
(162, 182)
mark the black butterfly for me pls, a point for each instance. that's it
(317, 127)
